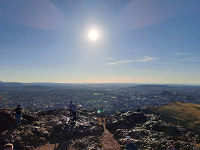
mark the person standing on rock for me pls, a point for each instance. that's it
(130, 145)
(71, 105)
(18, 115)
(74, 113)
(172, 145)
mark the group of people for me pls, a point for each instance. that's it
(72, 112)
(18, 113)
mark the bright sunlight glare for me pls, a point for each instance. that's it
(93, 34)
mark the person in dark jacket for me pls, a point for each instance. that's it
(74, 113)
(71, 105)
(130, 145)
(172, 145)
(18, 115)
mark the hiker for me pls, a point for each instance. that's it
(74, 113)
(130, 145)
(70, 108)
(172, 145)
(18, 115)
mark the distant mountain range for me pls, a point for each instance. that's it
(131, 85)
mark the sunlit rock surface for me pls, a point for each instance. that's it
(147, 130)
(52, 126)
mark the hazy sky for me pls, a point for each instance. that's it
(140, 41)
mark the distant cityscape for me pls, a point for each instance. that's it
(111, 97)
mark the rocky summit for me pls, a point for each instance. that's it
(55, 129)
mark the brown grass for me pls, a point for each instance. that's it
(186, 113)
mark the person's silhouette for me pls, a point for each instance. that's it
(18, 115)
(74, 113)
(70, 108)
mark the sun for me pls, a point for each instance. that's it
(93, 34)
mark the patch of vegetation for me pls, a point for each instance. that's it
(96, 94)
(187, 114)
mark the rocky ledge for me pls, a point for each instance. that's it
(53, 127)
(150, 132)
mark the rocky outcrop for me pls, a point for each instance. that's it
(52, 126)
(7, 120)
(124, 121)
(149, 131)
(29, 118)
(87, 143)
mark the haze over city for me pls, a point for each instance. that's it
(99, 74)
(90, 41)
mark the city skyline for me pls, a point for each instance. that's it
(93, 41)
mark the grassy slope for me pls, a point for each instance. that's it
(187, 114)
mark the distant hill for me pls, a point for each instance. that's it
(161, 87)
(187, 114)
(152, 87)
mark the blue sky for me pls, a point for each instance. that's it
(140, 41)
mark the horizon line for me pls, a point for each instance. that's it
(100, 83)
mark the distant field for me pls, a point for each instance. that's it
(187, 114)
(96, 94)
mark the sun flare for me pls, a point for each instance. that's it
(93, 34)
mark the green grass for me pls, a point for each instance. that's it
(96, 94)
(187, 114)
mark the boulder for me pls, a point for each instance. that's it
(87, 143)
(29, 119)
(124, 121)
(7, 120)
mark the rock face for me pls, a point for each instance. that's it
(52, 126)
(87, 143)
(124, 121)
(7, 119)
(149, 131)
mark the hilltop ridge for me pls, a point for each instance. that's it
(187, 114)
(53, 128)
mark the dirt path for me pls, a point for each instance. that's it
(107, 139)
